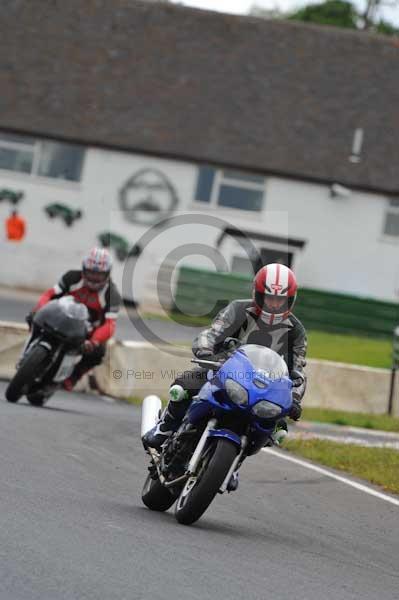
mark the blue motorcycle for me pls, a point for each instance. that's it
(233, 417)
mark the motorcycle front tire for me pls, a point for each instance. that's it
(191, 507)
(25, 376)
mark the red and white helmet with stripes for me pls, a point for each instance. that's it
(274, 294)
(96, 268)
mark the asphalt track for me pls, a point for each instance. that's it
(72, 525)
(15, 306)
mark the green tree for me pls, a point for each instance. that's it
(332, 12)
(386, 28)
(339, 13)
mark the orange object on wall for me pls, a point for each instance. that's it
(15, 227)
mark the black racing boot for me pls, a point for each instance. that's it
(233, 483)
(280, 432)
(170, 420)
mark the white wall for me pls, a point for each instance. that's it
(50, 247)
(345, 249)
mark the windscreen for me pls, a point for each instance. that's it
(74, 310)
(266, 361)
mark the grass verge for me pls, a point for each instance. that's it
(377, 465)
(370, 352)
(340, 417)
(345, 348)
(134, 400)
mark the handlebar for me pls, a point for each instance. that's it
(212, 364)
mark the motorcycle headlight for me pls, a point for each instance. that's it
(236, 392)
(266, 410)
(260, 384)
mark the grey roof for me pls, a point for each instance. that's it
(273, 96)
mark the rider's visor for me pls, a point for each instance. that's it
(275, 304)
(95, 278)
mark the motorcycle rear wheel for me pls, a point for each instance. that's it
(28, 370)
(155, 496)
(191, 507)
(36, 399)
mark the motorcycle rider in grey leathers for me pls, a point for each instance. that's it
(267, 320)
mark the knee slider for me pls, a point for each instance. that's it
(177, 393)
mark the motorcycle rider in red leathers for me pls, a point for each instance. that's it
(266, 320)
(92, 286)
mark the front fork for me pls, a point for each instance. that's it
(192, 465)
(34, 339)
(236, 464)
(26, 345)
(195, 460)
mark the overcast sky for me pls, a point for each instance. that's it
(241, 7)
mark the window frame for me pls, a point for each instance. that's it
(221, 179)
(36, 149)
(391, 209)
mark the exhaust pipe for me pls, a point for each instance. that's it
(150, 413)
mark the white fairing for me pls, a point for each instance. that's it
(66, 367)
(74, 309)
(150, 411)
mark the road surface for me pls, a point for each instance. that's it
(14, 306)
(72, 526)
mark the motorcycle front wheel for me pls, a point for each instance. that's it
(25, 376)
(199, 492)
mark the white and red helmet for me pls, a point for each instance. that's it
(274, 293)
(96, 268)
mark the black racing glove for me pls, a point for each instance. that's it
(296, 410)
(231, 344)
(205, 354)
(297, 378)
(29, 319)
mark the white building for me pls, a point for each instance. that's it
(246, 131)
(336, 238)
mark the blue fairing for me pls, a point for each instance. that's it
(264, 376)
(199, 409)
(226, 434)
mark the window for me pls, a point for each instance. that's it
(205, 181)
(16, 153)
(240, 264)
(231, 189)
(391, 226)
(253, 262)
(35, 157)
(63, 161)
